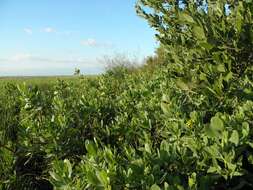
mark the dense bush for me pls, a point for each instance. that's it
(217, 32)
(186, 125)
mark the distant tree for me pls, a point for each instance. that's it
(159, 59)
(119, 65)
(77, 72)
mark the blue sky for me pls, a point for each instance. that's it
(53, 37)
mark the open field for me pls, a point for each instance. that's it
(38, 80)
(42, 82)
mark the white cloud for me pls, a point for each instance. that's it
(69, 32)
(20, 57)
(89, 42)
(30, 64)
(49, 30)
(94, 43)
(27, 59)
(28, 31)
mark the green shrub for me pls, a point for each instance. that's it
(217, 32)
(185, 125)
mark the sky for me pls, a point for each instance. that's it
(53, 37)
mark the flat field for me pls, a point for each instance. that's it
(38, 80)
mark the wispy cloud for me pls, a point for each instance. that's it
(89, 42)
(69, 32)
(25, 63)
(94, 43)
(49, 30)
(20, 57)
(32, 60)
(28, 31)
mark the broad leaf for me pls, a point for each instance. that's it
(234, 137)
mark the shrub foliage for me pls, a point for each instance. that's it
(186, 125)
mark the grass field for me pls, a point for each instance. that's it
(35, 79)
(43, 83)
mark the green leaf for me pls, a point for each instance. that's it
(206, 45)
(108, 155)
(199, 32)
(216, 57)
(234, 137)
(164, 145)
(221, 68)
(183, 17)
(182, 85)
(165, 104)
(147, 148)
(250, 144)
(92, 178)
(228, 77)
(103, 178)
(192, 180)
(217, 124)
(55, 176)
(239, 20)
(165, 99)
(166, 186)
(250, 159)
(155, 187)
(90, 147)
(203, 77)
(213, 151)
(212, 170)
(245, 129)
(69, 167)
(194, 116)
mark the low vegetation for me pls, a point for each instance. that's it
(183, 121)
